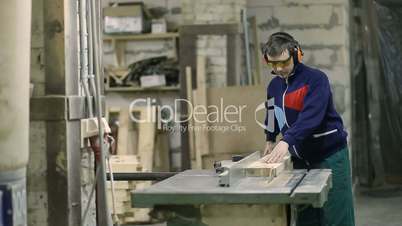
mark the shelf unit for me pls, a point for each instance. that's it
(121, 38)
(140, 89)
(169, 35)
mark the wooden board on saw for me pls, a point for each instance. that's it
(270, 170)
(243, 134)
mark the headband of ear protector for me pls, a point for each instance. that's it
(295, 50)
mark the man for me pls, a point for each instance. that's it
(300, 107)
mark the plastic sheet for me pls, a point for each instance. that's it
(390, 42)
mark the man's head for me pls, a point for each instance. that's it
(280, 52)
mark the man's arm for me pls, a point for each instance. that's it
(271, 126)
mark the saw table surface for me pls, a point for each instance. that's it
(201, 187)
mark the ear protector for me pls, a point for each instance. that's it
(295, 50)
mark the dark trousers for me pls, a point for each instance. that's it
(338, 210)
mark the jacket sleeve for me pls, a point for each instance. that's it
(271, 125)
(313, 112)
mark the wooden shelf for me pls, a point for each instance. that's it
(169, 35)
(140, 89)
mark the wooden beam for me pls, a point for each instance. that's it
(200, 120)
(189, 86)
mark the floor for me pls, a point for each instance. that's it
(373, 211)
(378, 211)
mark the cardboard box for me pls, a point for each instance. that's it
(153, 81)
(124, 19)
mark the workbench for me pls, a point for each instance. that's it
(195, 197)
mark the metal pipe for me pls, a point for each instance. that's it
(15, 50)
(91, 51)
(104, 216)
(84, 54)
(142, 176)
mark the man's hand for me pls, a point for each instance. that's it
(277, 154)
(268, 148)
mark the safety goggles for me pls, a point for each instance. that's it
(279, 63)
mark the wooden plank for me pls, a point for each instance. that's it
(141, 89)
(271, 170)
(122, 136)
(168, 35)
(119, 185)
(201, 141)
(161, 159)
(119, 53)
(200, 100)
(125, 163)
(132, 139)
(257, 52)
(119, 195)
(189, 88)
(146, 135)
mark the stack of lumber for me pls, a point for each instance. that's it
(122, 190)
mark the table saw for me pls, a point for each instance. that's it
(228, 195)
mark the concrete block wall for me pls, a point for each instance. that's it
(321, 27)
(213, 46)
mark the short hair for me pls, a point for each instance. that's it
(278, 43)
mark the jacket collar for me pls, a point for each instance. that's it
(296, 70)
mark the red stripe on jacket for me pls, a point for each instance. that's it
(295, 99)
